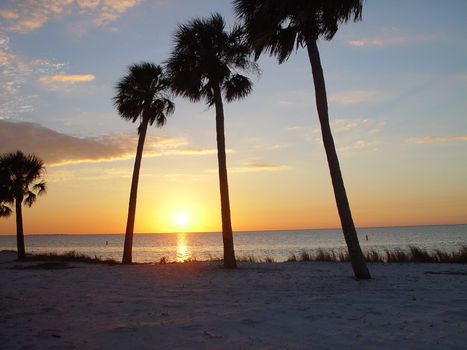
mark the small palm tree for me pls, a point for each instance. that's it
(20, 182)
(141, 96)
(204, 64)
(279, 27)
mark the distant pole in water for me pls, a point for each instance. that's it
(366, 236)
(107, 242)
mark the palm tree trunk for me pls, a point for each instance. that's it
(130, 225)
(19, 227)
(227, 237)
(356, 256)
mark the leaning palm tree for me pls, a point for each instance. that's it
(141, 96)
(204, 64)
(278, 27)
(20, 182)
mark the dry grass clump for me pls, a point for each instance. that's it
(255, 260)
(319, 255)
(413, 254)
(421, 255)
(71, 256)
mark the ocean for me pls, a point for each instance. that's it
(278, 245)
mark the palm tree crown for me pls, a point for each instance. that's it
(278, 27)
(21, 176)
(205, 55)
(142, 94)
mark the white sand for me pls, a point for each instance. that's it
(259, 306)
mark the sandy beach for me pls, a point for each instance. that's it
(259, 306)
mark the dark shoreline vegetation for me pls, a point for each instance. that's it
(412, 255)
(71, 256)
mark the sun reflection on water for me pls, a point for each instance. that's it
(182, 249)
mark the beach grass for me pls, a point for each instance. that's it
(71, 256)
(255, 260)
(413, 254)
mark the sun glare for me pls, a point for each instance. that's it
(182, 220)
(180, 216)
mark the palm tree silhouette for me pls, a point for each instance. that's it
(20, 182)
(278, 27)
(204, 64)
(141, 95)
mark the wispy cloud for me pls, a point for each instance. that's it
(298, 128)
(355, 96)
(392, 36)
(366, 42)
(58, 149)
(15, 71)
(28, 15)
(436, 139)
(353, 135)
(111, 10)
(343, 125)
(90, 173)
(258, 167)
(60, 80)
(279, 146)
(360, 145)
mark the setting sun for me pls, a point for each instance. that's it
(182, 220)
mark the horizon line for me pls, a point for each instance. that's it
(239, 231)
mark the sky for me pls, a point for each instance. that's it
(396, 83)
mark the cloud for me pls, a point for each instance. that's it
(90, 173)
(366, 42)
(58, 149)
(59, 80)
(436, 139)
(111, 10)
(15, 71)
(355, 96)
(28, 15)
(279, 146)
(344, 125)
(353, 135)
(258, 167)
(392, 36)
(88, 4)
(360, 145)
(298, 128)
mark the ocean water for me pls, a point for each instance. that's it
(276, 244)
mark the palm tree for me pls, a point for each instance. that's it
(204, 64)
(142, 96)
(20, 182)
(278, 27)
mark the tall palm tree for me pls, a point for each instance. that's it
(20, 182)
(204, 64)
(278, 27)
(141, 96)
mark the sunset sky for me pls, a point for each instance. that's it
(397, 88)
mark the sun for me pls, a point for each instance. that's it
(182, 220)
